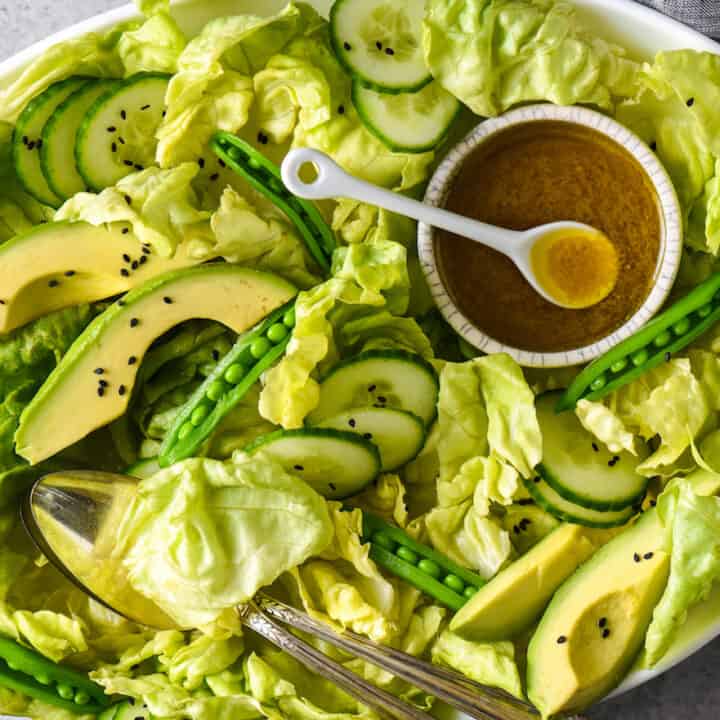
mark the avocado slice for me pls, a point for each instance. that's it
(595, 625)
(92, 384)
(514, 599)
(62, 264)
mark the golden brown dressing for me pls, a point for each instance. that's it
(538, 173)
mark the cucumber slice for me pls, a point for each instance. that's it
(579, 468)
(398, 435)
(335, 463)
(28, 141)
(117, 136)
(379, 42)
(563, 509)
(57, 153)
(411, 122)
(144, 469)
(386, 378)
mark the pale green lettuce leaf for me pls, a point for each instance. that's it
(491, 664)
(493, 54)
(154, 47)
(692, 527)
(162, 209)
(212, 89)
(513, 429)
(203, 536)
(367, 278)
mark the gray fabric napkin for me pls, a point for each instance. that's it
(703, 15)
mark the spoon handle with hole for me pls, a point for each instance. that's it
(333, 182)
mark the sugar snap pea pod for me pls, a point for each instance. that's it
(429, 571)
(253, 353)
(27, 672)
(666, 334)
(265, 177)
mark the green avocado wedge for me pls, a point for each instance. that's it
(94, 381)
(62, 264)
(514, 599)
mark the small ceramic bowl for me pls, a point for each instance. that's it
(670, 241)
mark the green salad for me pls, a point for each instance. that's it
(302, 419)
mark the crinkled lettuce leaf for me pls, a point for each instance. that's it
(366, 279)
(491, 664)
(692, 536)
(493, 54)
(160, 205)
(203, 536)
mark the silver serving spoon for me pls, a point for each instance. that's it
(73, 518)
(539, 253)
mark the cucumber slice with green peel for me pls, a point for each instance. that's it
(266, 178)
(571, 512)
(28, 141)
(428, 570)
(379, 42)
(29, 673)
(337, 464)
(255, 352)
(117, 136)
(398, 435)
(581, 469)
(144, 469)
(411, 122)
(385, 378)
(57, 153)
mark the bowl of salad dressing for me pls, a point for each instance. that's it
(540, 164)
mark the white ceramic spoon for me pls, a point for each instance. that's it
(332, 181)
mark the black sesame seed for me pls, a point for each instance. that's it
(341, 109)
(26, 139)
(143, 259)
(537, 479)
(378, 45)
(100, 391)
(525, 501)
(690, 102)
(145, 107)
(126, 257)
(653, 146)
(128, 200)
(2, 302)
(616, 458)
(122, 390)
(653, 503)
(668, 356)
(99, 371)
(389, 51)
(121, 140)
(606, 633)
(372, 388)
(595, 447)
(135, 667)
(648, 556)
(332, 486)
(611, 463)
(125, 272)
(516, 529)
(222, 163)
(113, 147)
(201, 162)
(602, 622)
(53, 283)
(132, 360)
(351, 422)
(214, 177)
(31, 145)
(167, 300)
(146, 250)
(103, 383)
(299, 467)
(121, 303)
(139, 167)
(347, 45)
(164, 113)
(134, 322)
(382, 399)
(561, 640)
(112, 129)
(125, 231)
(135, 265)
(636, 557)
(216, 355)
(123, 115)
(129, 163)
(367, 436)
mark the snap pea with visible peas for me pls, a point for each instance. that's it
(265, 177)
(429, 571)
(668, 333)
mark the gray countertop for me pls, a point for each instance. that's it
(690, 692)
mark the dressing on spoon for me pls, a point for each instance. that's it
(570, 264)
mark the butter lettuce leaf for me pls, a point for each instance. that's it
(493, 54)
(692, 535)
(203, 536)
